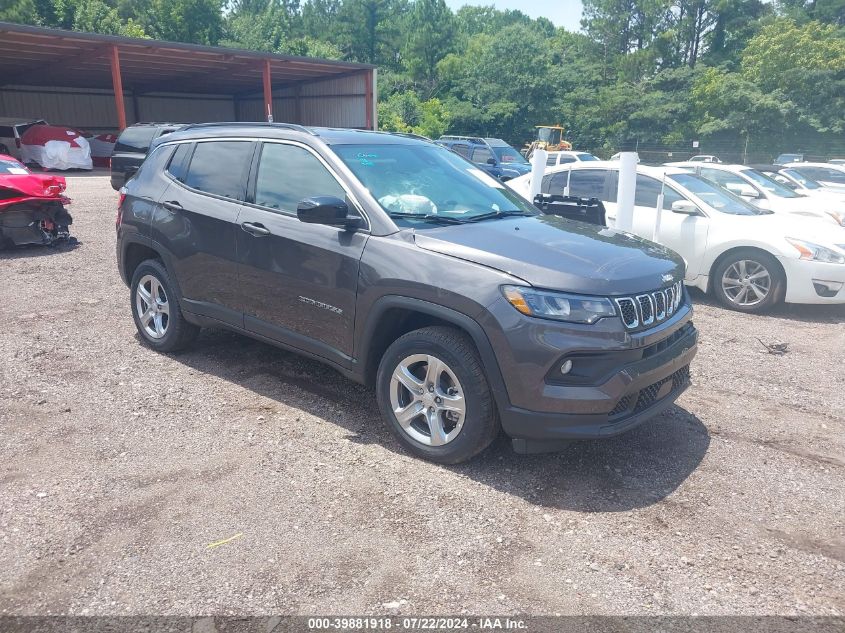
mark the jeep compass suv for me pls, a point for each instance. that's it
(406, 268)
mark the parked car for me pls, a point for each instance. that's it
(11, 131)
(805, 186)
(406, 268)
(704, 158)
(55, 147)
(32, 206)
(766, 193)
(825, 174)
(131, 148)
(492, 155)
(783, 159)
(749, 258)
(837, 161)
(563, 157)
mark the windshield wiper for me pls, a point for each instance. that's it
(430, 217)
(495, 215)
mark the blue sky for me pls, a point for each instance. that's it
(566, 13)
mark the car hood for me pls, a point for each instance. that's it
(555, 253)
(520, 168)
(776, 226)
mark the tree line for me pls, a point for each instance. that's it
(732, 74)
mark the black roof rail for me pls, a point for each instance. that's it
(287, 126)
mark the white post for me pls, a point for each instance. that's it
(627, 191)
(538, 168)
(659, 211)
(566, 188)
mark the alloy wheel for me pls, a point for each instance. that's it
(746, 282)
(152, 306)
(427, 399)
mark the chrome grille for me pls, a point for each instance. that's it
(650, 308)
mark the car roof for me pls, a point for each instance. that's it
(647, 170)
(812, 164)
(258, 130)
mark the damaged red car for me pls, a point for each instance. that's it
(32, 206)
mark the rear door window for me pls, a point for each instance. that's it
(461, 149)
(287, 174)
(135, 140)
(587, 183)
(480, 155)
(178, 166)
(220, 168)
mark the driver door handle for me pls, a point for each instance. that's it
(255, 229)
(172, 205)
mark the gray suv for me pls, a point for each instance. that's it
(408, 269)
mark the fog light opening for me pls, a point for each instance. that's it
(827, 288)
(566, 367)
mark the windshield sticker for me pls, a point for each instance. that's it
(364, 159)
(487, 180)
(18, 171)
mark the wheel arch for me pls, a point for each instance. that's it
(133, 253)
(392, 316)
(736, 249)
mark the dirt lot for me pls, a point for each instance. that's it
(119, 466)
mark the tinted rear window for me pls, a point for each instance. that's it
(178, 166)
(135, 139)
(220, 167)
(587, 183)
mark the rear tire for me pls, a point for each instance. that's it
(748, 280)
(432, 379)
(155, 309)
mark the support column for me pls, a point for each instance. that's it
(117, 83)
(368, 95)
(268, 92)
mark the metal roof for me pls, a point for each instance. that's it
(37, 56)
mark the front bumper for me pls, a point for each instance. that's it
(638, 379)
(813, 282)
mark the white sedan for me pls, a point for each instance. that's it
(766, 193)
(827, 174)
(748, 257)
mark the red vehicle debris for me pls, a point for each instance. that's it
(32, 206)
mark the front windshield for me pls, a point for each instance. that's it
(770, 184)
(585, 156)
(718, 198)
(509, 155)
(807, 183)
(427, 183)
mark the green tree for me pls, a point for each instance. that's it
(431, 32)
(21, 11)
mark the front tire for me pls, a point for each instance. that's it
(155, 309)
(748, 281)
(432, 391)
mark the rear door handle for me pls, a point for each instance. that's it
(255, 229)
(172, 205)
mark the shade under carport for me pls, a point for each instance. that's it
(35, 57)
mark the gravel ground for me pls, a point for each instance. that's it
(119, 466)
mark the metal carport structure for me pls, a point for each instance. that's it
(105, 82)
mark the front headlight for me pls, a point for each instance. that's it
(557, 305)
(816, 253)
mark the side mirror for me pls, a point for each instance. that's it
(747, 191)
(685, 207)
(491, 161)
(326, 210)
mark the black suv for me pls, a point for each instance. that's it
(405, 267)
(131, 148)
